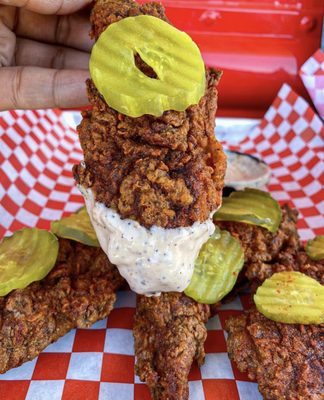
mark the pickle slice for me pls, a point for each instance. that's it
(315, 248)
(251, 206)
(76, 227)
(25, 257)
(292, 298)
(217, 267)
(172, 54)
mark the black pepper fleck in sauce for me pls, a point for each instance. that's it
(165, 250)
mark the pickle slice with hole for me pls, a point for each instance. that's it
(25, 257)
(251, 206)
(217, 267)
(174, 57)
(292, 298)
(315, 248)
(76, 227)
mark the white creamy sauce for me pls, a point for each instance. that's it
(245, 171)
(151, 260)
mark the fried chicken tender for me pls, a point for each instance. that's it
(259, 244)
(286, 360)
(79, 291)
(169, 333)
(267, 253)
(166, 171)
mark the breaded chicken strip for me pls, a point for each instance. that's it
(79, 291)
(166, 171)
(169, 333)
(262, 246)
(285, 359)
(267, 253)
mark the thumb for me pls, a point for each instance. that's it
(34, 87)
(48, 6)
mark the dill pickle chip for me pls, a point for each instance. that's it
(217, 267)
(251, 206)
(76, 227)
(315, 248)
(292, 298)
(172, 54)
(25, 257)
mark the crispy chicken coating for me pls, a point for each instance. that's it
(267, 253)
(166, 171)
(288, 260)
(79, 291)
(106, 12)
(169, 333)
(285, 359)
(259, 244)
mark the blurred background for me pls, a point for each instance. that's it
(259, 44)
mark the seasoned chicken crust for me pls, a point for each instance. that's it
(166, 171)
(79, 291)
(169, 333)
(285, 359)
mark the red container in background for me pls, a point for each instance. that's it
(258, 44)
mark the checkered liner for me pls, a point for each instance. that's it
(312, 74)
(290, 139)
(37, 151)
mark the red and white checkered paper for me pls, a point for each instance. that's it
(312, 74)
(37, 151)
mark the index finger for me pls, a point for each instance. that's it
(34, 87)
(48, 6)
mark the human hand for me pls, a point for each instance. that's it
(44, 53)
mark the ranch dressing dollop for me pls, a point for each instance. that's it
(151, 260)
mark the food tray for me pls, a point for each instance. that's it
(37, 151)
